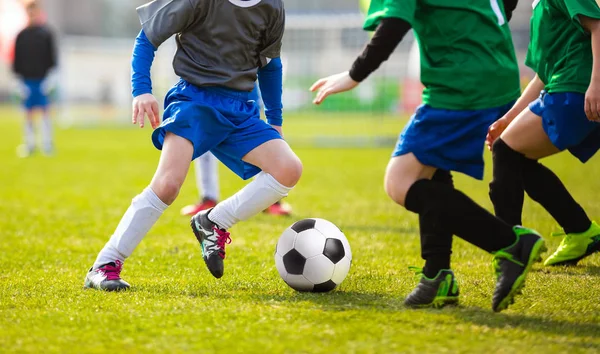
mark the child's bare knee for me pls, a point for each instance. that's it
(166, 189)
(289, 172)
(395, 190)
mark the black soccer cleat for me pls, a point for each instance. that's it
(212, 241)
(106, 277)
(512, 264)
(437, 292)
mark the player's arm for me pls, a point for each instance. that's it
(530, 94)
(52, 54)
(141, 82)
(270, 74)
(270, 80)
(160, 20)
(50, 82)
(18, 59)
(592, 96)
(509, 8)
(389, 33)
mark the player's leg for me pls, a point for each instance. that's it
(29, 103)
(47, 135)
(436, 245)
(142, 214)
(279, 207)
(516, 168)
(206, 170)
(281, 170)
(28, 146)
(207, 176)
(515, 249)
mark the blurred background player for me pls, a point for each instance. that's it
(447, 133)
(223, 47)
(206, 170)
(564, 51)
(35, 57)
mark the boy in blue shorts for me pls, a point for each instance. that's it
(470, 73)
(563, 50)
(222, 46)
(35, 57)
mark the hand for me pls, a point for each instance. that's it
(279, 129)
(592, 102)
(21, 90)
(332, 84)
(145, 104)
(495, 130)
(49, 83)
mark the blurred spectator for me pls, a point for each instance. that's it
(35, 57)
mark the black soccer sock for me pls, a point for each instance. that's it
(457, 214)
(506, 189)
(543, 186)
(436, 245)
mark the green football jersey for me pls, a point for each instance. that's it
(468, 60)
(560, 51)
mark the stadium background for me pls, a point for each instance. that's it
(56, 213)
(322, 37)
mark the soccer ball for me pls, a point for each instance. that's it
(313, 255)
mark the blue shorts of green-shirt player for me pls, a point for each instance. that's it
(451, 140)
(566, 124)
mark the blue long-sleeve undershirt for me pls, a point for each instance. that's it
(270, 78)
(143, 56)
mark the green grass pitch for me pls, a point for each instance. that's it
(57, 212)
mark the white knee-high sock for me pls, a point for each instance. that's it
(207, 176)
(255, 197)
(47, 132)
(29, 134)
(144, 211)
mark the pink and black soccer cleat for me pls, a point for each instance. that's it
(106, 277)
(212, 241)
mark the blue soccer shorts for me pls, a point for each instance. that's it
(451, 140)
(34, 95)
(223, 121)
(565, 123)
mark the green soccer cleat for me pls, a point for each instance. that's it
(575, 247)
(437, 292)
(513, 263)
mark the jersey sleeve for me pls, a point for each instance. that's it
(273, 38)
(161, 19)
(379, 9)
(574, 8)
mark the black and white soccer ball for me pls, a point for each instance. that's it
(313, 255)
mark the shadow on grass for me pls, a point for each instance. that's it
(338, 300)
(482, 317)
(391, 304)
(593, 270)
